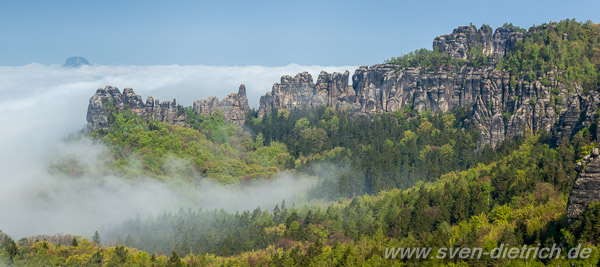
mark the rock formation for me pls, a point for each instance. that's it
(496, 45)
(234, 107)
(587, 185)
(500, 108)
(300, 92)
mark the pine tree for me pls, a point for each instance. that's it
(96, 239)
(175, 260)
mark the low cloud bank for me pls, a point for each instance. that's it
(41, 105)
(37, 200)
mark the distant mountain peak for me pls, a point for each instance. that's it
(74, 62)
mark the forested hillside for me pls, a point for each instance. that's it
(380, 153)
(210, 147)
(532, 181)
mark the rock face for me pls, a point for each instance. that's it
(587, 185)
(300, 92)
(234, 107)
(495, 45)
(500, 108)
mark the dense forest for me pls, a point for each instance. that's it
(406, 179)
(380, 153)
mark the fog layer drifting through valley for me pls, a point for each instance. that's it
(41, 105)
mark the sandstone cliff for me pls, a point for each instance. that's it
(300, 92)
(587, 185)
(499, 108)
(234, 107)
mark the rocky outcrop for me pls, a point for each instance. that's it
(234, 107)
(97, 114)
(301, 92)
(501, 107)
(464, 38)
(587, 185)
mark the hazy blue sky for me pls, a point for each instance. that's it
(268, 33)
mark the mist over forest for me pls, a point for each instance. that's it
(44, 110)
